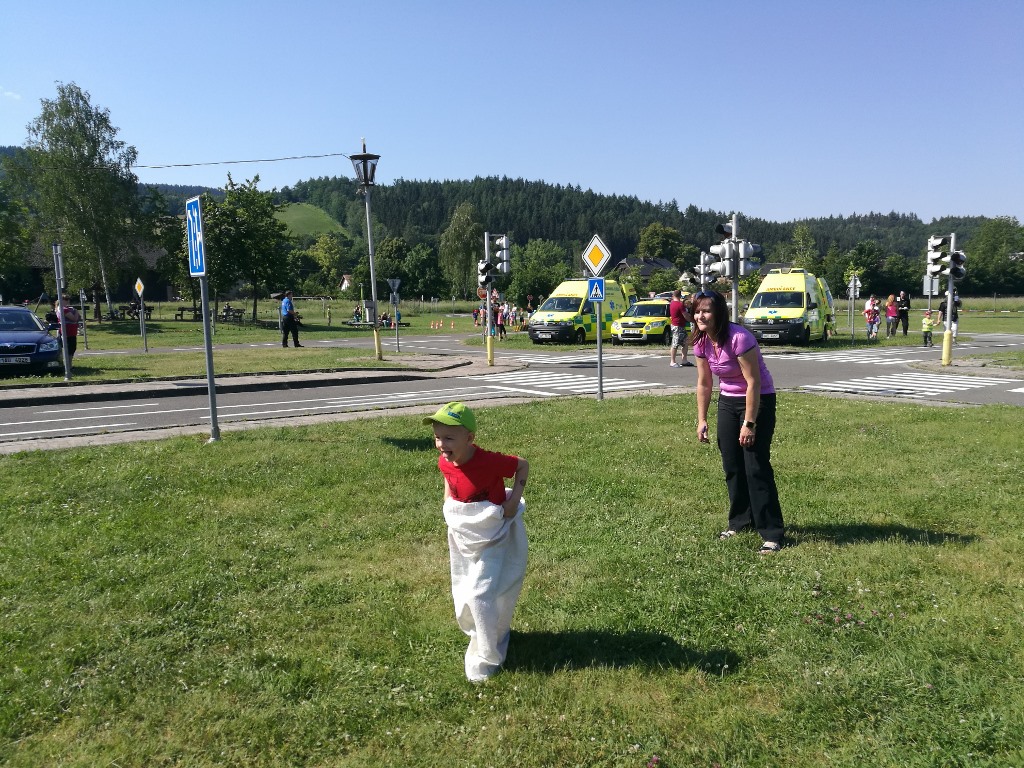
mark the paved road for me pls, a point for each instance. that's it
(445, 369)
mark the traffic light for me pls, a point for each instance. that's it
(750, 257)
(722, 268)
(485, 273)
(937, 245)
(702, 271)
(953, 265)
(504, 254)
(725, 230)
(725, 250)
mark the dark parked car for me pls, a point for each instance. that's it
(26, 345)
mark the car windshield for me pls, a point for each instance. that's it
(778, 300)
(561, 304)
(647, 310)
(19, 321)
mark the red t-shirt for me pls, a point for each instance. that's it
(677, 313)
(481, 478)
(71, 321)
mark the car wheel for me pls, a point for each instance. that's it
(666, 337)
(581, 336)
(807, 337)
(616, 341)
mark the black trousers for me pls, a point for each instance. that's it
(753, 496)
(904, 321)
(289, 325)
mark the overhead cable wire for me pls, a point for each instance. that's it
(237, 162)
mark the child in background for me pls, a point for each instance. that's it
(927, 323)
(486, 537)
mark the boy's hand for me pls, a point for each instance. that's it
(510, 510)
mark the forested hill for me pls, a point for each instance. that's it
(419, 211)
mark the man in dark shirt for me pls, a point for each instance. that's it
(903, 310)
(954, 318)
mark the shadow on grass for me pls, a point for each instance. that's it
(579, 649)
(864, 533)
(414, 444)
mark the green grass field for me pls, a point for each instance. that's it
(281, 597)
(305, 219)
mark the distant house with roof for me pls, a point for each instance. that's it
(646, 266)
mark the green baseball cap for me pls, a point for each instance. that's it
(454, 415)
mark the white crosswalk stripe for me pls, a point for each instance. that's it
(910, 384)
(868, 356)
(584, 357)
(541, 381)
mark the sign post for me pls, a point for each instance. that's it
(85, 328)
(197, 268)
(595, 292)
(853, 292)
(393, 284)
(595, 257)
(58, 270)
(139, 288)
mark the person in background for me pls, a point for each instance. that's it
(679, 319)
(746, 418)
(954, 315)
(289, 321)
(903, 308)
(69, 327)
(871, 316)
(892, 316)
(927, 323)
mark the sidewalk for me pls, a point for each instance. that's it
(416, 367)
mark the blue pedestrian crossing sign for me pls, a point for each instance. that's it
(194, 228)
(595, 288)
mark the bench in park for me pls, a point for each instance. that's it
(194, 313)
(232, 315)
(354, 324)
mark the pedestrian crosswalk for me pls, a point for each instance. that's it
(910, 384)
(550, 383)
(584, 357)
(895, 356)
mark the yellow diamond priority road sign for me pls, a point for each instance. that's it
(139, 287)
(596, 256)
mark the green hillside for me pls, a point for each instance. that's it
(305, 219)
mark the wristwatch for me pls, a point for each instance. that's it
(750, 424)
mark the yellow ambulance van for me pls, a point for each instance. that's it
(568, 315)
(791, 305)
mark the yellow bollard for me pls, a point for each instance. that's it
(453, 325)
(947, 348)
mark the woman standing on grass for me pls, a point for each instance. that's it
(746, 418)
(892, 316)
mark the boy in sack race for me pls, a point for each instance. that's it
(486, 537)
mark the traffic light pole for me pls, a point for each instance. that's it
(947, 337)
(489, 339)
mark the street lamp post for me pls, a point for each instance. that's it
(365, 165)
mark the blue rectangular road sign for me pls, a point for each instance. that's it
(595, 288)
(194, 227)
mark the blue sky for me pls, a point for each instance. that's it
(779, 110)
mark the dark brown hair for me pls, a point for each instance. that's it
(719, 315)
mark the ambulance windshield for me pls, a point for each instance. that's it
(778, 300)
(561, 304)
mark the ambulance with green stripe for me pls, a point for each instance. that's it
(569, 316)
(791, 305)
